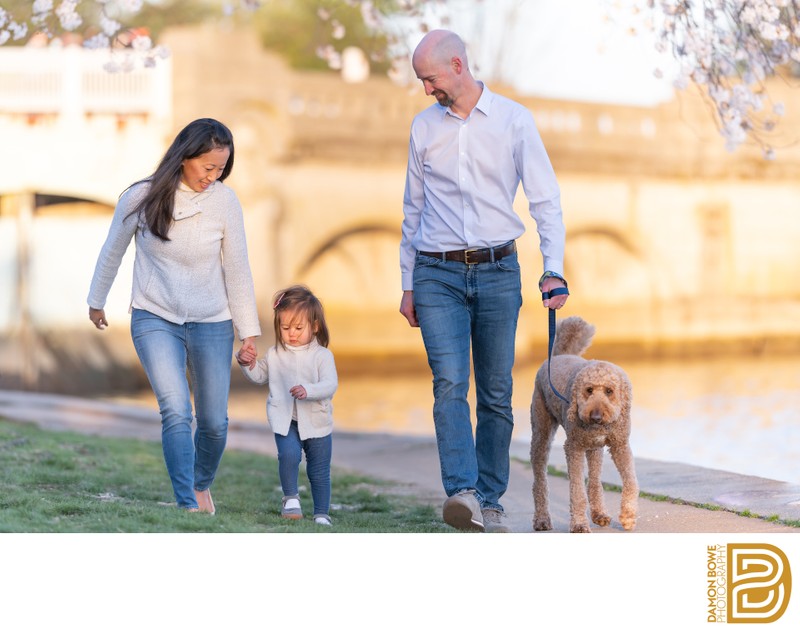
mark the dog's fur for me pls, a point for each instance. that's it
(598, 415)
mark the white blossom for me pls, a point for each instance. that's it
(109, 26)
(338, 31)
(18, 31)
(370, 15)
(98, 41)
(142, 43)
(42, 6)
(68, 16)
(129, 6)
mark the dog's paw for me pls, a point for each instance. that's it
(628, 521)
(601, 519)
(580, 527)
(542, 523)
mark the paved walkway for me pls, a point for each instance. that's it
(412, 464)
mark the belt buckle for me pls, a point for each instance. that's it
(467, 254)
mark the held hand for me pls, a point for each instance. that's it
(248, 353)
(557, 301)
(98, 318)
(298, 392)
(243, 359)
(407, 308)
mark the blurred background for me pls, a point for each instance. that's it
(681, 253)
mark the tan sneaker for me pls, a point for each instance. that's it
(462, 511)
(495, 520)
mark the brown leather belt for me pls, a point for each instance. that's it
(477, 255)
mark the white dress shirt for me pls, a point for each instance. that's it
(463, 175)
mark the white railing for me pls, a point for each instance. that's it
(72, 80)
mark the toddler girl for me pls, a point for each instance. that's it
(301, 375)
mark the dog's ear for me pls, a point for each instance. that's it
(572, 408)
(625, 399)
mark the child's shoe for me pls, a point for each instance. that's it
(290, 507)
(322, 520)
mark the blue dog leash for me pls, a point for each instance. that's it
(546, 295)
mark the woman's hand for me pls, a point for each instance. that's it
(248, 353)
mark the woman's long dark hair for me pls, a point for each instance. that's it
(197, 138)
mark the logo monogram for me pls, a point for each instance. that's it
(759, 582)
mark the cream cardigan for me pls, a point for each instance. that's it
(201, 274)
(310, 366)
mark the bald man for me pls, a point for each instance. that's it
(468, 154)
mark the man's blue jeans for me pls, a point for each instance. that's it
(459, 306)
(318, 465)
(166, 351)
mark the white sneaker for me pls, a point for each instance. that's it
(290, 508)
(322, 520)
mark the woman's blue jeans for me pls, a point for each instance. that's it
(167, 351)
(318, 465)
(461, 306)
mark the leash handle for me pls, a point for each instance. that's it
(558, 291)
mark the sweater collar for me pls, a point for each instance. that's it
(187, 201)
(195, 195)
(297, 349)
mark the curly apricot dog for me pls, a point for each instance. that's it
(598, 415)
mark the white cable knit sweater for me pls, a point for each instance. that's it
(202, 274)
(311, 366)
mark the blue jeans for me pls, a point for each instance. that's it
(459, 306)
(318, 465)
(166, 351)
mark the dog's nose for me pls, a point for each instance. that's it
(595, 416)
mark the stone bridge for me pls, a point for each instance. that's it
(673, 245)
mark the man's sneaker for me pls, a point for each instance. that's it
(495, 520)
(290, 508)
(462, 511)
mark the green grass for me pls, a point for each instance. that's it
(68, 482)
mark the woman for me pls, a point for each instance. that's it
(191, 285)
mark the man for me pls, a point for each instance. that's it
(461, 284)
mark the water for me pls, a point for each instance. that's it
(740, 415)
(735, 414)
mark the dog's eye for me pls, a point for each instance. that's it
(609, 392)
(589, 390)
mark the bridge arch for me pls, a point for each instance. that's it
(604, 265)
(353, 267)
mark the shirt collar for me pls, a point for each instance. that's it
(484, 103)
